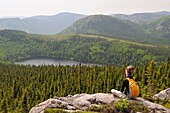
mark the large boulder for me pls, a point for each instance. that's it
(163, 95)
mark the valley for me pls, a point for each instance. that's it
(17, 45)
(77, 41)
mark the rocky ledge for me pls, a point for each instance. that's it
(84, 101)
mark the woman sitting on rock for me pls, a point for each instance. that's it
(129, 86)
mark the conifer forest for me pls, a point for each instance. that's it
(22, 87)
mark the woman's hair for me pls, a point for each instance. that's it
(129, 70)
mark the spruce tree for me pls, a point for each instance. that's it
(3, 106)
(23, 104)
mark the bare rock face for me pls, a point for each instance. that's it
(84, 101)
(163, 95)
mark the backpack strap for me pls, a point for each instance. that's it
(131, 78)
(130, 83)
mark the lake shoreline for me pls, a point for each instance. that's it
(50, 61)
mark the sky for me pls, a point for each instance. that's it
(27, 8)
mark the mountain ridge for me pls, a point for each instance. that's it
(41, 24)
(142, 17)
(53, 24)
(111, 26)
(160, 27)
(104, 25)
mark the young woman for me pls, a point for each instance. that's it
(125, 85)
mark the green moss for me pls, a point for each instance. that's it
(95, 108)
(102, 109)
(85, 112)
(55, 111)
(167, 105)
(125, 105)
(137, 107)
(108, 109)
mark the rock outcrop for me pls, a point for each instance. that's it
(76, 102)
(163, 95)
(153, 108)
(84, 101)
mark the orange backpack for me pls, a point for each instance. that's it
(133, 88)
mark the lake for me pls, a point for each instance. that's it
(49, 61)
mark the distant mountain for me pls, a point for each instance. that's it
(155, 31)
(106, 25)
(57, 23)
(160, 27)
(41, 24)
(142, 17)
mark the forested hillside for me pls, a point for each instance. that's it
(16, 45)
(156, 31)
(106, 25)
(22, 87)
